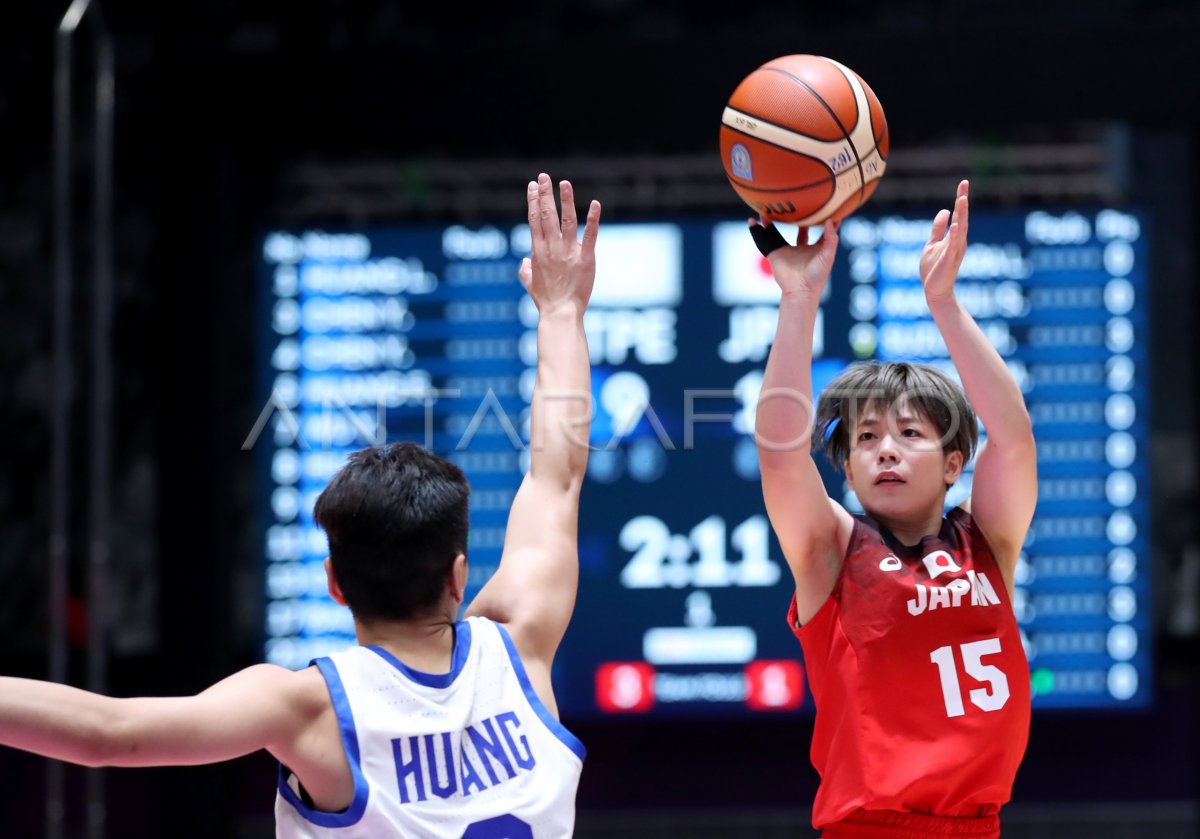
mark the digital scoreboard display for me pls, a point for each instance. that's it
(424, 333)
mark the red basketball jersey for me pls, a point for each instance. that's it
(920, 680)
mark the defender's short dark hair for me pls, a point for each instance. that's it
(396, 518)
(925, 388)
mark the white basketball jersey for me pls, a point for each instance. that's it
(469, 754)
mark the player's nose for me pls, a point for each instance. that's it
(888, 451)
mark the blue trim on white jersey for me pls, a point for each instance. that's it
(556, 728)
(462, 647)
(352, 814)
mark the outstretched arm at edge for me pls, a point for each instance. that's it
(261, 707)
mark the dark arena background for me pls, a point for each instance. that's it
(155, 509)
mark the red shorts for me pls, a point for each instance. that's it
(888, 824)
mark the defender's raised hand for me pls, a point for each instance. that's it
(562, 269)
(943, 253)
(533, 590)
(802, 267)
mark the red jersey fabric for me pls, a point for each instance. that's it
(886, 824)
(920, 680)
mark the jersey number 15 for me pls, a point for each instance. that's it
(989, 699)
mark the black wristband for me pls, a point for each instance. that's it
(767, 238)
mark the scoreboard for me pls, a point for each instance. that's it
(424, 333)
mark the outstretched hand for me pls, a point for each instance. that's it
(562, 270)
(799, 268)
(943, 253)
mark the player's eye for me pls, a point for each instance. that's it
(911, 432)
(866, 435)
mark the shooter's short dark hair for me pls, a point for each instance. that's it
(926, 389)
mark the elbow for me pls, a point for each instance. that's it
(93, 749)
(105, 737)
(95, 760)
(1010, 444)
(781, 437)
(777, 448)
(1023, 424)
(565, 481)
(574, 463)
(572, 483)
(1019, 431)
(1014, 431)
(770, 451)
(577, 467)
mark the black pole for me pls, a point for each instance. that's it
(101, 424)
(61, 404)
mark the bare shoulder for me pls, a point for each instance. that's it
(302, 693)
(305, 690)
(313, 750)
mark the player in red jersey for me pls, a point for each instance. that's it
(904, 614)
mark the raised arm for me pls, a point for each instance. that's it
(1004, 492)
(812, 528)
(533, 590)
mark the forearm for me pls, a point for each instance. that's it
(783, 422)
(560, 418)
(989, 385)
(55, 720)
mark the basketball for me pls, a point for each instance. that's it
(804, 140)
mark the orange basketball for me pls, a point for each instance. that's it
(803, 140)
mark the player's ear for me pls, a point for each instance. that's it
(849, 474)
(456, 581)
(953, 466)
(335, 591)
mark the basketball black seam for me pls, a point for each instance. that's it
(817, 96)
(862, 176)
(752, 188)
(789, 130)
(876, 137)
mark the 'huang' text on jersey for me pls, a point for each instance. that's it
(468, 754)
